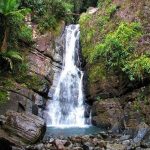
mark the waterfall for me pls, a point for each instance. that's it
(66, 109)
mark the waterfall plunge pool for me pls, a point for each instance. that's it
(56, 132)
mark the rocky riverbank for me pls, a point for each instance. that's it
(100, 141)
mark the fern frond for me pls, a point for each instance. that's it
(14, 55)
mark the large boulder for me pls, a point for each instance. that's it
(22, 99)
(136, 109)
(107, 113)
(21, 128)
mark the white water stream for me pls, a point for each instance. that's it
(66, 109)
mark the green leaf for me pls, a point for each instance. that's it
(14, 55)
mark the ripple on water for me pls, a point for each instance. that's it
(64, 131)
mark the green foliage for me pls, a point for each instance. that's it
(32, 81)
(84, 18)
(12, 23)
(8, 6)
(87, 33)
(48, 13)
(97, 71)
(137, 105)
(118, 45)
(6, 82)
(47, 23)
(14, 30)
(111, 10)
(18, 29)
(14, 55)
(93, 26)
(98, 98)
(138, 67)
(9, 59)
(25, 34)
(103, 3)
(108, 41)
(3, 96)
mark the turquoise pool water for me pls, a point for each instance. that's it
(71, 131)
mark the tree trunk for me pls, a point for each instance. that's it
(4, 43)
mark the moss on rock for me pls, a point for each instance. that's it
(111, 38)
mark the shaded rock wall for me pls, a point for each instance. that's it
(124, 113)
(21, 128)
(114, 98)
(108, 83)
(44, 60)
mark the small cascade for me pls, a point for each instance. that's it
(66, 109)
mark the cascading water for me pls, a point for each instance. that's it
(66, 109)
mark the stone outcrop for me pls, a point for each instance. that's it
(22, 99)
(21, 128)
(123, 114)
(44, 59)
(113, 83)
(107, 113)
(27, 94)
(118, 102)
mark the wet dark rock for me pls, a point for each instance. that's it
(59, 144)
(142, 131)
(88, 146)
(68, 143)
(103, 134)
(146, 141)
(102, 144)
(124, 137)
(107, 113)
(22, 128)
(4, 144)
(17, 148)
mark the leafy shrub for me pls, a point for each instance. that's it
(118, 45)
(102, 3)
(97, 71)
(84, 18)
(91, 27)
(3, 96)
(117, 49)
(25, 34)
(111, 10)
(138, 67)
(9, 59)
(48, 13)
(49, 22)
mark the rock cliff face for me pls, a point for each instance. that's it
(44, 60)
(108, 83)
(114, 98)
(21, 114)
